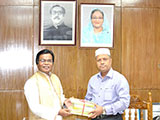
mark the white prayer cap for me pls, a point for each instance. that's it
(101, 51)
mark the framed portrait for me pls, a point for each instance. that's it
(96, 25)
(57, 22)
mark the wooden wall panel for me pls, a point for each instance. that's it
(144, 94)
(86, 67)
(36, 2)
(65, 67)
(141, 3)
(16, 59)
(16, 2)
(16, 49)
(116, 2)
(13, 105)
(116, 51)
(140, 47)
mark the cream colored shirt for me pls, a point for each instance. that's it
(32, 95)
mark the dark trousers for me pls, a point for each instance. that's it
(109, 117)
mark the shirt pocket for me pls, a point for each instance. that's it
(108, 95)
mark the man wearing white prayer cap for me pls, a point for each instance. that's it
(101, 51)
(108, 89)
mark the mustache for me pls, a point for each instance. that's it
(56, 17)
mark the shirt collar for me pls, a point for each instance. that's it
(109, 74)
(45, 73)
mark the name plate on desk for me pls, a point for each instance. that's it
(81, 107)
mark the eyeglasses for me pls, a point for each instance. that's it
(57, 12)
(44, 60)
(95, 18)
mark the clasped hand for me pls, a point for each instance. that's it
(96, 112)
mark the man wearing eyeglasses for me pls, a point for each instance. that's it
(44, 91)
(58, 30)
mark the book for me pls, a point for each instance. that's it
(81, 107)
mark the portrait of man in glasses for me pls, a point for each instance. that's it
(58, 30)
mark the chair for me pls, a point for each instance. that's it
(139, 106)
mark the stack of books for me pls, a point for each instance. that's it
(81, 107)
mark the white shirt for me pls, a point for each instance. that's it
(32, 95)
